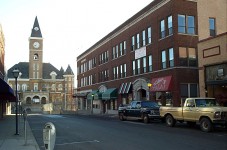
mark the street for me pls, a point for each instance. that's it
(81, 132)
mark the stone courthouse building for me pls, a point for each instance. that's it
(41, 86)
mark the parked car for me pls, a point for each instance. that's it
(204, 111)
(142, 110)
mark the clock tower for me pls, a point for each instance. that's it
(36, 52)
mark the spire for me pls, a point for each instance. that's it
(69, 71)
(36, 31)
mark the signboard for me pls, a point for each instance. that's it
(139, 53)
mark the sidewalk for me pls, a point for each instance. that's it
(9, 141)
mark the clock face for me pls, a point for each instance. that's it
(36, 28)
(36, 44)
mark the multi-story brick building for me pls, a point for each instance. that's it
(212, 49)
(41, 86)
(6, 92)
(157, 47)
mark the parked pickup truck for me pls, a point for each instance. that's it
(143, 110)
(204, 111)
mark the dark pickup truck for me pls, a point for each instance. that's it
(142, 110)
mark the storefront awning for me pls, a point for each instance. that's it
(89, 96)
(98, 96)
(124, 88)
(6, 92)
(110, 94)
(161, 84)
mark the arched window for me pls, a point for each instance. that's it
(28, 100)
(36, 56)
(60, 87)
(43, 100)
(24, 87)
(36, 100)
(53, 87)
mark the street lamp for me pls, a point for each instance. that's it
(15, 75)
(92, 95)
(149, 85)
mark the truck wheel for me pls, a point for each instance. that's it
(121, 117)
(170, 121)
(206, 125)
(145, 118)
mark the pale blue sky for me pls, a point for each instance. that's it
(69, 27)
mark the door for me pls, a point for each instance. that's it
(189, 110)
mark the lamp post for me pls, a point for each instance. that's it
(92, 95)
(149, 85)
(15, 75)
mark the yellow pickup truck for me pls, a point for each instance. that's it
(204, 111)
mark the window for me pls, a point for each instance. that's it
(116, 50)
(170, 25)
(171, 57)
(182, 28)
(113, 52)
(36, 57)
(114, 73)
(121, 71)
(121, 49)
(192, 57)
(187, 56)
(144, 37)
(191, 25)
(124, 48)
(134, 67)
(150, 62)
(24, 87)
(183, 56)
(144, 65)
(163, 59)
(133, 43)
(138, 66)
(138, 40)
(149, 35)
(189, 90)
(117, 72)
(162, 29)
(181, 24)
(125, 70)
(212, 26)
(35, 86)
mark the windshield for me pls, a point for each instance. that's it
(149, 104)
(206, 102)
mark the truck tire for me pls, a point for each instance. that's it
(122, 117)
(146, 118)
(206, 125)
(170, 121)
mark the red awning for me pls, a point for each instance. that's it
(161, 84)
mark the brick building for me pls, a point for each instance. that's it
(41, 86)
(212, 49)
(151, 56)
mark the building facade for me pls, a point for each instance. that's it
(6, 92)
(151, 56)
(41, 86)
(212, 49)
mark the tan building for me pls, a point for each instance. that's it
(41, 86)
(212, 49)
(6, 92)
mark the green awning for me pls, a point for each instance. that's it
(89, 96)
(110, 94)
(98, 96)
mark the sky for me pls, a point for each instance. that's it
(69, 27)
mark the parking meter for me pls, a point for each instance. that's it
(25, 127)
(49, 136)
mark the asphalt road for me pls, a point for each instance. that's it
(101, 133)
